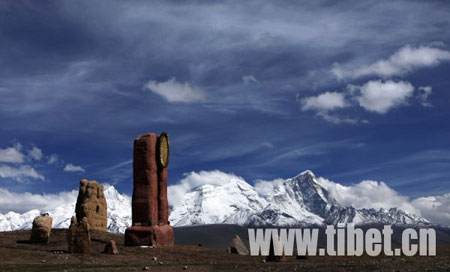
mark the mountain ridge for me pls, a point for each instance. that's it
(300, 200)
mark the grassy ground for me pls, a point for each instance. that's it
(18, 255)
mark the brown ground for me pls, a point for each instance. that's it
(17, 255)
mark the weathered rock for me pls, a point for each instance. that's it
(42, 227)
(111, 248)
(79, 237)
(91, 203)
(237, 246)
(149, 204)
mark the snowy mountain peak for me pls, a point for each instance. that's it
(228, 199)
(294, 201)
(306, 173)
(119, 213)
(227, 202)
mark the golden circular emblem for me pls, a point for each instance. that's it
(163, 149)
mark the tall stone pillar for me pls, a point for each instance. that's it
(149, 203)
(163, 205)
(145, 181)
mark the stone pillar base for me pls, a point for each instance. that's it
(149, 235)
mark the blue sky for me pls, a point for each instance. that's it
(352, 90)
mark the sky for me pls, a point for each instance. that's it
(353, 90)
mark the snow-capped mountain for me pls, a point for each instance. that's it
(229, 203)
(296, 201)
(300, 200)
(119, 214)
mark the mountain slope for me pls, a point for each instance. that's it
(119, 214)
(229, 203)
(300, 200)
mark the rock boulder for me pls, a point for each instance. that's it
(42, 227)
(237, 246)
(91, 203)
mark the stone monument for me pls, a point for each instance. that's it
(91, 203)
(79, 237)
(150, 209)
(42, 227)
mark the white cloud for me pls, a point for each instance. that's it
(249, 79)
(268, 144)
(340, 120)
(367, 194)
(378, 96)
(52, 159)
(193, 179)
(264, 187)
(374, 194)
(23, 202)
(73, 168)
(424, 93)
(12, 154)
(434, 208)
(19, 173)
(404, 61)
(375, 96)
(35, 153)
(381, 96)
(174, 91)
(324, 102)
